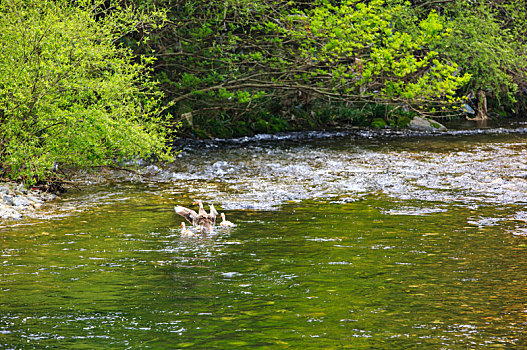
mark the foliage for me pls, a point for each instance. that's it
(355, 48)
(69, 92)
(482, 48)
(229, 61)
(246, 66)
(218, 58)
(488, 41)
(512, 18)
(234, 67)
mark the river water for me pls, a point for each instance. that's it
(342, 240)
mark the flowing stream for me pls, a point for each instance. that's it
(342, 240)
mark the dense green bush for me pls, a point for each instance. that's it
(487, 40)
(227, 62)
(354, 49)
(69, 92)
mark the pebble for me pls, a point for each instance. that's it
(17, 202)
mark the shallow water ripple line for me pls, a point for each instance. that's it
(256, 175)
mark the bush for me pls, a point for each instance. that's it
(69, 93)
(378, 123)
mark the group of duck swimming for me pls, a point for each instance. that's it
(205, 221)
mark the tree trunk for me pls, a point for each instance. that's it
(482, 106)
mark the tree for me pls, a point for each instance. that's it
(357, 52)
(221, 62)
(70, 92)
(487, 41)
(247, 62)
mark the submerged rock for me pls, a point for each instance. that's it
(423, 124)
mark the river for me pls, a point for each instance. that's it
(343, 240)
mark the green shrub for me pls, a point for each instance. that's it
(69, 93)
(241, 129)
(261, 126)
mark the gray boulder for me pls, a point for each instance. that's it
(422, 124)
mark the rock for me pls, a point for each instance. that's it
(21, 188)
(8, 200)
(47, 196)
(20, 201)
(16, 201)
(423, 124)
(34, 199)
(152, 170)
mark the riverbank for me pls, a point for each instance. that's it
(17, 201)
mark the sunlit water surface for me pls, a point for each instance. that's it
(341, 242)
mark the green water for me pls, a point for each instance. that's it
(377, 272)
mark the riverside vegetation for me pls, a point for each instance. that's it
(92, 83)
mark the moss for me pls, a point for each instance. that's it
(378, 123)
(403, 121)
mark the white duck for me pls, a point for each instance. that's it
(213, 214)
(225, 223)
(185, 231)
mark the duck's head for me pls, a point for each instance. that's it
(182, 225)
(222, 216)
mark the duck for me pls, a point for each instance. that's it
(213, 213)
(189, 214)
(205, 224)
(201, 211)
(225, 223)
(184, 231)
(204, 221)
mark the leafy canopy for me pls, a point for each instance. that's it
(368, 56)
(490, 53)
(70, 93)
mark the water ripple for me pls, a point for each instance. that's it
(248, 174)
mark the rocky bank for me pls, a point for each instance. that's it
(16, 201)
